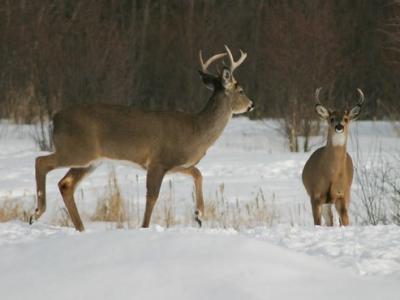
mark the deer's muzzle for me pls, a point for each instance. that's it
(251, 107)
(339, 128)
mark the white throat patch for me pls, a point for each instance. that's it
(338, 139)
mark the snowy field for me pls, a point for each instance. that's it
(284, 258)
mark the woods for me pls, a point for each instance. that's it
(145, 53)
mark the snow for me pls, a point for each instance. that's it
(366, 250)
(171, 264)
(289, 259)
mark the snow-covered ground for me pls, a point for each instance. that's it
(43, 262)
(289, 259)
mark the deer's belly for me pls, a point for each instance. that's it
(125, 162)
(192, 161)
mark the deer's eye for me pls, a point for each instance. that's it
(346, 120)
(241, 92)
(332, 120)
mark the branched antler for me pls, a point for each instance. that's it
(235, 64)
(204, 66)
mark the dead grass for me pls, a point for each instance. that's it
(12, 210)
(258, 211)
(121, 212)
(17, 209)
(112, 206)
(62, 218)
(219, 212)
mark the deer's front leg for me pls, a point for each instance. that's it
(198, 184)
(316, 210)
(154, 179)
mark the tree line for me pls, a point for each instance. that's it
(145, 53)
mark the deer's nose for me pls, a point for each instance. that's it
(339, 128)
(251, 107)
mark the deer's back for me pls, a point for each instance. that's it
(122, 133)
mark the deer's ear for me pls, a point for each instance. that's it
(355, 112)
(322, 111)
(226, 78)
(209, 80)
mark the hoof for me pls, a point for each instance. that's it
(34, 216)
(80, 229)
(197, 218)
(198, 222)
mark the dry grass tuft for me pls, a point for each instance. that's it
(12, 210)
(165, 213)
(239, 214)
(111, 208)
(120, 212)
(219, 213)
(62, 218)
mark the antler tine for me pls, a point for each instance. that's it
(230, 55)
(243, 56)
(317, 95)
(362, 97)
(236, 64)
(204, 66)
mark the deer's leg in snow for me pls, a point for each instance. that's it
(154, 179)
(342, 209)
(43, 165)
(198, 183)
(67, 187)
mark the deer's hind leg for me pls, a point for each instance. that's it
(67, 186)
(342, 209)
(43, 165)
(327, 214)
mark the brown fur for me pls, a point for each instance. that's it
(327, 177)
(328, 173)
(159, 142)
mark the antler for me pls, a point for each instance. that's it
(362, 97)
(360, 92)
(204, 66)
(317, 95)
(235, 64)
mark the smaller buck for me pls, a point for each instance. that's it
(328, 173)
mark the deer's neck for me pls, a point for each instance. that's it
(213, 118)
(336, 147)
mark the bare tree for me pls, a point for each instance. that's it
(60, 53)
(302, 52)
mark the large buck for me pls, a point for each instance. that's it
(160, 142)
(328, 173)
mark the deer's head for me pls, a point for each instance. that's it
(225, 82)
(338, 120)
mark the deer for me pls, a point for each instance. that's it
(159, 142)
(328, 173)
